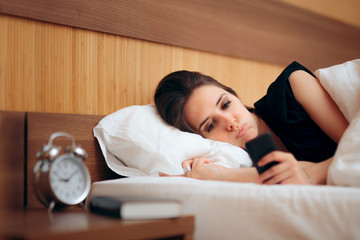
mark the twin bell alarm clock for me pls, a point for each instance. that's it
(60, 178)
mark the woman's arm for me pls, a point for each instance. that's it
(318, 104)
(326, 114)
(319, 171)
(290, 171)
(202, 168)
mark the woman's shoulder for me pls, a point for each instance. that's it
(292, 67)
(281, 86)
(279, 98)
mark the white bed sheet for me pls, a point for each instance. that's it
(228, 210)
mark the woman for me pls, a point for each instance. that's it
(303, 119)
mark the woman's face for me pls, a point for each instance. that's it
(218, 115)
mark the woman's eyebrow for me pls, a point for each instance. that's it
(217, 103)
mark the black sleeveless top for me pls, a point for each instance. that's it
(291, 123)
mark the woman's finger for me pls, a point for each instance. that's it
(286, 164)
(187, 163)
(278, 156)
(284, 173)
(192, 164)
(279, 178)
(196, 167)
(273, 171)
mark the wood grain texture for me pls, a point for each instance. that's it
(346, 11)
(37, 224)
(12, 159)
(260, 30)
(42, 125)
(53, 68)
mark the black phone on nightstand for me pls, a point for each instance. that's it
(259, 147)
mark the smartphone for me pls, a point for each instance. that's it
(259, 147)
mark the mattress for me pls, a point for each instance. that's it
(229, 210)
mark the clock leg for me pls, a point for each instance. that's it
(51, 206)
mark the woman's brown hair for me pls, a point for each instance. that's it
(173, 92)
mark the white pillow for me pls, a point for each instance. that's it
(136, 141)
(342, 82)
(345, 168)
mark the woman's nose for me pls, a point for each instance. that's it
(230, 126)
(229, 123)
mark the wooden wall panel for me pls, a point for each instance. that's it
(346, 11)
(53, 68)
(260, 30)
(12, 159)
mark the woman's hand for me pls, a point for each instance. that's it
(202, 168)
(288, 171)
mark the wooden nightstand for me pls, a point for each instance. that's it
(80, 224)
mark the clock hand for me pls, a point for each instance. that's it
(72, 174)
(68, 178)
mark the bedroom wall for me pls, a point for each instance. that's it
(47, 67)
(346, 11)
(52, 68)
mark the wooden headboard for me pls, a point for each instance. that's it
(25, 133)
(261, 30)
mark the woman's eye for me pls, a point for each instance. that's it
(226, 105)
(211, 126)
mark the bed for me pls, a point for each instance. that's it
(228, 210)
(222, 210)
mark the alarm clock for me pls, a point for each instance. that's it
(60, 178)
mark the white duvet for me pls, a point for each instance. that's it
(342, 82)
(228, 210)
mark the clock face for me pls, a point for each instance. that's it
(69, 179)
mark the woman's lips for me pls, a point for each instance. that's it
(242, 131)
